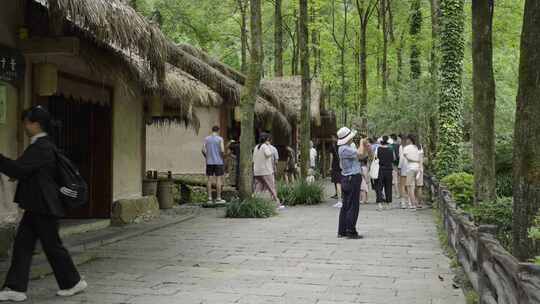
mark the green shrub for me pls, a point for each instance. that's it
(255, 207)
(285, 192)
(534, 233)
(498, 213)
(461, 185)
(301, 193)
(504, 184)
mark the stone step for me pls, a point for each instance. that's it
(70, 227)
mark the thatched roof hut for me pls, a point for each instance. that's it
(288, 91)
(112, 22)
(224, 80)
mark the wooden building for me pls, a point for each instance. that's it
(99, 67)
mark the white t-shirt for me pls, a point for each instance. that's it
(312, 157)
(263, 162)
(413, 156)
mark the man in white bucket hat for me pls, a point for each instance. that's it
(352, 179)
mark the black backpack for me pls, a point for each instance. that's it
(73, 188)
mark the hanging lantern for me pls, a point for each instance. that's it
(46, 78)
(156, 106)
(237, 114)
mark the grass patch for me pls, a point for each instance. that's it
(300, 193)
(254, 207)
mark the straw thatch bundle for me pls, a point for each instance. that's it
(115, 23)
(289, 91)
(193, 62)
(230, 72)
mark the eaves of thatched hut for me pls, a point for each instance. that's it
(98, 66)
(288, 91)
(178, 149)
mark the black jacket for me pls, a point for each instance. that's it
(386, 157)
(37, 174)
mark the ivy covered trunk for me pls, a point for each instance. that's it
(434, 73)
(527, 135)
(247, 102)
(484, 101)
(415, 28)
(451, 94)
(305, 116)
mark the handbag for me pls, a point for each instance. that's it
(374, 169)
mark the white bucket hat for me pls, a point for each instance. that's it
(345, 135)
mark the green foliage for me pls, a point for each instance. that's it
(461, 186)
(254, 207)
(300, 193)
(498, 213)
(504, 184)
(534, 233)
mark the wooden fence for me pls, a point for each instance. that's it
(497, 276)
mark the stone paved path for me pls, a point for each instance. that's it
(293, 258)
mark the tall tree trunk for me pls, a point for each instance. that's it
(451, 92)
(527, 135)
(434, 71)
(305, 116)
(384, 9)
(247, 102)
(363, 78)
(484, 101)
(278, 40)
(415, 28)
(296, 47)
(364, 14)
(243, 35)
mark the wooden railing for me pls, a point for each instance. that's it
(497, 276)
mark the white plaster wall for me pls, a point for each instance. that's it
(127, 144)
(178, 149)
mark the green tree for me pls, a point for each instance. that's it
(484, 101)
(305, 116)
(527, 136)
(247, 101)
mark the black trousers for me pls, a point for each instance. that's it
(384, 186)
(34, 226)
(348, 215)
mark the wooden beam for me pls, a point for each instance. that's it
(50, 46)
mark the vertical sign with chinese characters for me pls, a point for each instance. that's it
(11, 64)
(3, 103)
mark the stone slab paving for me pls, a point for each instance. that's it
(292, 258)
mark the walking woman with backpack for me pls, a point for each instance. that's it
(39, 195)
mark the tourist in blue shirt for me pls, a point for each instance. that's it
(351, 170)
(213, 151)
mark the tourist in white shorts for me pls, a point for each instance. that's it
(412, 154)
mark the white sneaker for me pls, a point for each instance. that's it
(221, 201)
(80, 287)
(403, 205)
(339, 204)
(281, 207)
(12, 295)
(380, 207)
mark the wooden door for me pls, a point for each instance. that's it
(85, 136)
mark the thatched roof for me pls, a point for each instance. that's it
(289, 91)
(112, 22)
(229, 72)
(222, 79)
